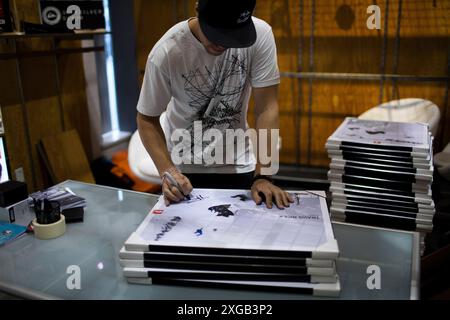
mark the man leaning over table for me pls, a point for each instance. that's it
(205, 69)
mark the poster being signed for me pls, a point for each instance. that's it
(229, 221)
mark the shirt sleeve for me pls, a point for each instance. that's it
(155, 91)
(264, 69)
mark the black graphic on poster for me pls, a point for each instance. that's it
(222, 210)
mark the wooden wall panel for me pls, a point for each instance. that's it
(44, 121)
(8, 89)
(353, 50)
(16, 141)
(421, 18)
(41, 98)
(74, 98)
(38, 77)
(66, 158)
(423, 56)
(13, 118)
(293, 41)
(26, 10)
(42, 105)
(152, 19)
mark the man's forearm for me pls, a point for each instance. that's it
(267, 111)
(154, 141)
(267, 119)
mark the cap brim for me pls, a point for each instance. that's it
(230, 38)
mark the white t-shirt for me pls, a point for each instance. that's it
(190, 84)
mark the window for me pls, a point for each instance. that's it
(111, 131)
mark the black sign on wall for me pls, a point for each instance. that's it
(73, 15)
(5, 18)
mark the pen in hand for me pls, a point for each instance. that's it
(175, 184)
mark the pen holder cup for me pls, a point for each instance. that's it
(49, 231)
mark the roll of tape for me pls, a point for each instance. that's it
(49, 231)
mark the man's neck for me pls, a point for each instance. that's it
(194, 27)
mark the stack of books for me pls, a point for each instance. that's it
(221, 238)
(381, 174)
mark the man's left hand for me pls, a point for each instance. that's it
(271, 193)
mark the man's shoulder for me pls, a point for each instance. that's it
(263, 33)
(168, 43)
(261, 26)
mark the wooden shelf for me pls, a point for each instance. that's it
(81, 34)
(33, 54)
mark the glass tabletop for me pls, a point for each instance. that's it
(34, 268)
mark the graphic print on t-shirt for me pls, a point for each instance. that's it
(185, 81)
(216, 95)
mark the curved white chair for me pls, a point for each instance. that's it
(139, 160)
(406, 110)
(442, 162)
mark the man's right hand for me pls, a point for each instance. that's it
(171, 193)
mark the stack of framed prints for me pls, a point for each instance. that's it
(381, 174)
(221, 238)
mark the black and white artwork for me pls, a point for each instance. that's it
(384, 133)
(381, 174)
(229, 219)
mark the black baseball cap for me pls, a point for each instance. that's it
(228, 23)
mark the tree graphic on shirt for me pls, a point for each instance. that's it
(215, 94)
